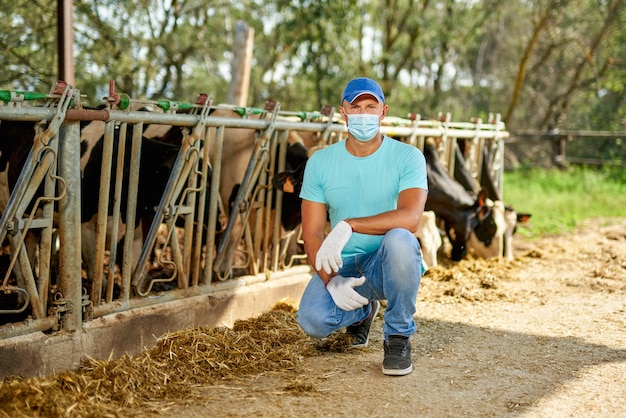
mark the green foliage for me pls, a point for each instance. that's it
(538, 63)
(302, 55)
(28, 45)
(609, 150)
(560, 200)
(153, 48)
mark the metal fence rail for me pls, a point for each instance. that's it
(35, 299)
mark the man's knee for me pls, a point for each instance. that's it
(311, 327)
(401, 241)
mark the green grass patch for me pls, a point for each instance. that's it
(560, 200)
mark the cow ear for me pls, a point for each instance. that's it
(289, 187)
(484, 211)
(482, 196)
(285, 182)
(279, 180)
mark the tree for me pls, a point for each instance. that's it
(308, 53)
(28, 44)
(151, 47)
(540, 62)
(566, 55)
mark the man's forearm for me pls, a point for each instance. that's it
(311, 246)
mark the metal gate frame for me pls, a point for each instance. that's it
(63, 113)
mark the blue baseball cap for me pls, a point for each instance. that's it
(360, 86)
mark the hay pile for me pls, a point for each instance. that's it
(169, 372)
(471, 280)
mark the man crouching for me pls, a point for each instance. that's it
(373, 188)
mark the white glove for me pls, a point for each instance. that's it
(342, 291)
(329, 255)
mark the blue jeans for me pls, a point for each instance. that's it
(392, 272)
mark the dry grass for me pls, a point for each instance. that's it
(169, 372)
(470, 280)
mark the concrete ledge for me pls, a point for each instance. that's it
(133, 331)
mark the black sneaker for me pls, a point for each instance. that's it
(397, 360)
(361, 331)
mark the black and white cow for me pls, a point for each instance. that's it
(461, 213)
(155, 168)
(504, 216)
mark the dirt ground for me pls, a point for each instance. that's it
(541, 336)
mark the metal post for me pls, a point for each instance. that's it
(65, 41)
(69, 226)
(241, 64)
(218, 147)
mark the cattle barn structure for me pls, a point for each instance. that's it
(177, 271)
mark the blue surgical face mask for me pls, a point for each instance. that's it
(363, 126)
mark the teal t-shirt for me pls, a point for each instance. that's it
(353, 187)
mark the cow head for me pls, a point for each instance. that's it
(485, 226)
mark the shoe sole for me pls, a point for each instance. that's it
(398, 372)
(377, 307)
